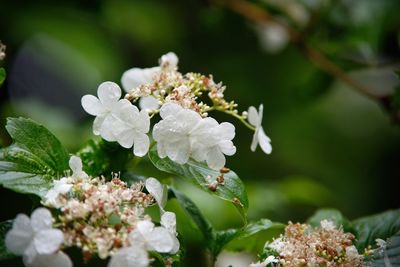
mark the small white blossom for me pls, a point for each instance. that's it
(135, 77)
(104, 108)
(133, 256)
(168, 221)
(36, 240)
(211, 141)
(158, 191)
(148, 103)
(75, 164)
(169, 60)
(130, 127)
(328, 225)
(268, 260)
(151, 238)
(255, 119)
(173, 132)
(61, 186)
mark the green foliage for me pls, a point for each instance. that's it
(384, 225)
(4, 228)
(2, 75)
(200, 174)
(34, 159)
(102, 157)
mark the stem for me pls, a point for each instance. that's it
(234, 114)
(259, 15)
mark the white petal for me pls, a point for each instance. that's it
(134, 77)
(75, 163)
(227, 130)
(106, 130)
(264, 142)
(169, 109)
(215, 159)
(41, 219)
(227, 147)
(254, 143)
(144, 121)
(122, 134)
(20, 235)
(160, 240)
(157, 190)
(170, 58)
(109, 93)
(168, 221)
(148, 103)
(179, 151)
(48, 241)
(92, 105)
(252, 116)
(141, 144)
(260, 114)
(161, 150)
(134, 256)
(98, 122)
(175, 246)
(29, 255)
(58, 259)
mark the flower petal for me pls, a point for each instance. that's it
(92, 105)
(157, 190)
(227, 147)
(41, 219)
(134, 256)
(134, 77)
(141, 144)
(59, 259)
(254, 143)
(215, 159)
(20, 235)
(168, 221)
(48, 241)
(106, 130)
(226, 130)
(252, 116)
(148, 103)
(170, 59)
(144, 122)
(179, 151)
(169, 109)
(98, 122)
(264, 141)
(109, 93)
(160, 240)
(75, 163)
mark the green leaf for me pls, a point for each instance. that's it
(224, 237)
(2, 75)
(34, 159)
(195, 214)
(389, 256)
(4, 228)
(329, 214)
(384, 225)
(101, 157)
(201, 175)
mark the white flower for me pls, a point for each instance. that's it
(148, 103)
(130, 127)
(173, 132)
(36, 240)
(268, 260)
(168, 221)
(255, 119)
(328, 225)
(148, 236)
(104, 108)
(75, 164)
(61, 186)
(169, 60)
(133, 256)
(158, 191)
(134, 77)
(211, 141)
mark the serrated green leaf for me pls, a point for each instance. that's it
(34, 159)
(195, 214)
(223, 238)
(4, 228)
(390, 256)
(101, 157)
(384, 225)
(2, 75)
(329, 214)
(200, 174)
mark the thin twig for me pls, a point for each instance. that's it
(259, 15)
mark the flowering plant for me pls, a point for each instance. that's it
(94, 201)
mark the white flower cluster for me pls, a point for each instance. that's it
(303, 245)
(185, 129)
(101, 218)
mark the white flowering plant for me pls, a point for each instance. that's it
(94, 201)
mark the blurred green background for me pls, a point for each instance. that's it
(332, 146)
